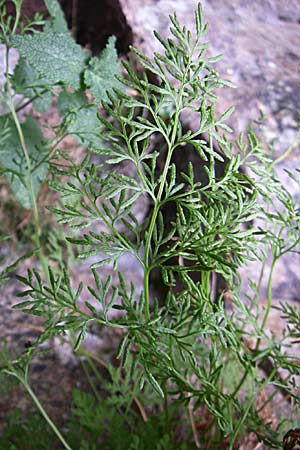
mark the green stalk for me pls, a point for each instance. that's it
(23, 378)
(245, 414)
(90, 380)
(36, 236)
(30, 100)
(18, 6)
(150, 233)
(206, 283)
(269, 304)
(13, 111)
(45, 415)
(239, 425)
(263, 326)
(240, 384)
(270, 296)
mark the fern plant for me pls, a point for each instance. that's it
(184, 344)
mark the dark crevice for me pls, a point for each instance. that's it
(181, 158)
(94, 21)
(288, 19)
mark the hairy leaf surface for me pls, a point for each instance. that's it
(29, 83)
(59, 23)
(55, 56)
(100, 75)
(81, 118)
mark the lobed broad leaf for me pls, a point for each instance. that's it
(55, 56)
(81, 118)
(68, 101)
(58, 22)
(29, 83)
(100, 76)
(13, 160)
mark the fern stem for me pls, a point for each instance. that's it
(269, 304)
(170, 142)
(45, 415)
(150, 233)
(239, 425)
